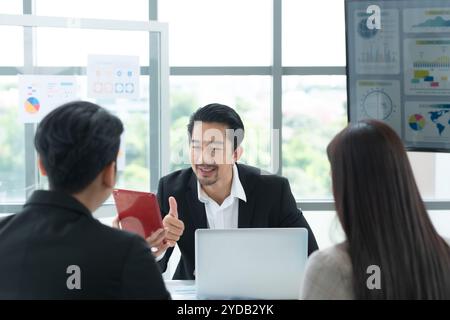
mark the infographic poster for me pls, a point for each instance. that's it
(426, 20)
(377, 50)
(113, 76)
(427, 67)
(427, 121)
(379, 100)
(40, 94)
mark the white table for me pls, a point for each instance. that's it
(182, 289)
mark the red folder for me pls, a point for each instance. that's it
(138, 211)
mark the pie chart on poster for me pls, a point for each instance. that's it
(416, 122)
(32, 105)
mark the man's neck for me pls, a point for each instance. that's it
(220, 190)
(86, 200)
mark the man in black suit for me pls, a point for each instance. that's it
(54, 248)
(217, 192)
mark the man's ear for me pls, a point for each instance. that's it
(238, 153)
(109, 175)
(41, 167)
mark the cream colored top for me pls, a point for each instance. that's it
(329, 275)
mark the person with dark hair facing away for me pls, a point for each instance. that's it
(392, 250)
(216, 192)
(54, 248)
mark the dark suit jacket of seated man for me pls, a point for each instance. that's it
(53, 232)
(54, 248)
(270, 204)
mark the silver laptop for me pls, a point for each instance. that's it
(250, 263)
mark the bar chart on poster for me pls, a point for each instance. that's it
(398, 68)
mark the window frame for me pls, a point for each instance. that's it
(160, 117)
(157, 69)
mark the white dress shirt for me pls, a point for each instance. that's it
(224, 216)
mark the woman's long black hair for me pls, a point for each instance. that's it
(384, 218)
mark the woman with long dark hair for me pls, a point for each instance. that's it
(392, 250)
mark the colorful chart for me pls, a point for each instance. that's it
(111, 76)
(377, 51)
(32, 105)
(416, 122)
(426, 20)
(438, 22)
(378, 105)
(40, 94)
(427, 121)
(427, 66)
(379, 100)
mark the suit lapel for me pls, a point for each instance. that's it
(245, 213)
(196, 208)
(247, 176)
(246, 209)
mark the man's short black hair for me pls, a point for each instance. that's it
(220, 113)
(75, 143)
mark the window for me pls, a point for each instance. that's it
(314, 111)
(18, 167)
(98, 9)
(218, 33)
(431, 173)
(249, 95)
(441, 221)
(12, 145)
(328, 231)
(220, 51)
(326, 227)
(135, 117)
(11, 7)
(74, 45)
(313, 33)
(13, 36)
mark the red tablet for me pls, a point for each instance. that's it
(138, 211)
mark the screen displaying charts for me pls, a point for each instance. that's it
(398, 68)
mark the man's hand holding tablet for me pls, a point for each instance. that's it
(139, 213)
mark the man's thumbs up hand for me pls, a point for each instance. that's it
(174, 227)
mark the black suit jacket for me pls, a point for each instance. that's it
(270, 204)
(54, 231)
